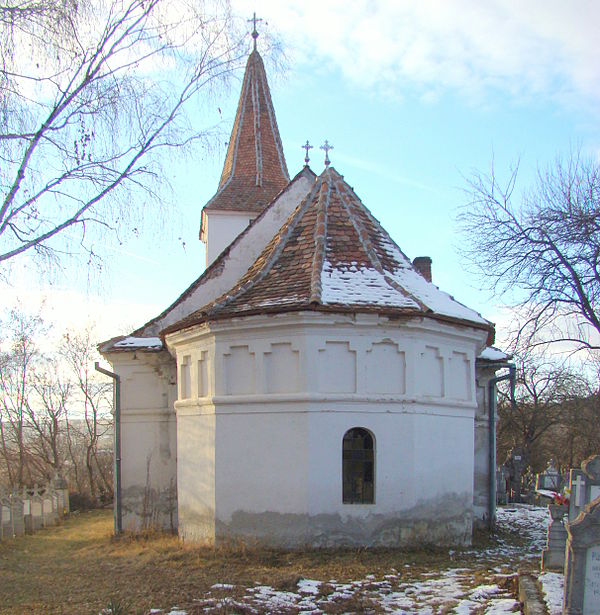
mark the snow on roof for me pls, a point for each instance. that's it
(360, 286)
(151, 343)
(493, 354)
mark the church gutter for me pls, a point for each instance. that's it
(117, 410)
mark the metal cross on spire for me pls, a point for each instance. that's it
(254, 21)
(326, 147)
(306, 147)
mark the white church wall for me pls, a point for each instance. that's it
(241, 255)
(278, 475)
(222, 227)
(261, 471)
(148, 439)
(385, 365)
(196, 474)
(422, 492)
(279, 430)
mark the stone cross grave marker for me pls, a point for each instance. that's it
(582, 565)
(16, 510)
(501, 490)
(585, 486)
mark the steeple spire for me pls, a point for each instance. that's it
(255, 170)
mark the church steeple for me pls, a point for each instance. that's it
(255, 154)
(255, 170)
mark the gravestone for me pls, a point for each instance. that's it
(553, 556)
(48, 512)
(16, 509)
(27, 524)
(37, 519)
(584, 486)
(582, 565)
(6, 530)
(549, 479)
(515, 464)
(61, 487)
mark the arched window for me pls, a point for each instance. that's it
(358, 467)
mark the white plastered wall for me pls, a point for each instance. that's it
(148, 439)
(276, 453)
(221, 228)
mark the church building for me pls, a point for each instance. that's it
(312, 386)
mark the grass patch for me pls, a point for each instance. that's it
(78, 567)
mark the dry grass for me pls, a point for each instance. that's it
(79, 568)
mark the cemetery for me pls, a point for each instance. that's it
(29, 510)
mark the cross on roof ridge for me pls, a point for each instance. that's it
(326, 147)
(306, 147)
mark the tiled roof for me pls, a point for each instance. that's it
(149, 330)
(333, 255)
(254, 171)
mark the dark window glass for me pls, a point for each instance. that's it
(358, 463)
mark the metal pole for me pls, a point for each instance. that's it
(117, 443)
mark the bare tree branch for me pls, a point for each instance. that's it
(542, 254)
(90, 113)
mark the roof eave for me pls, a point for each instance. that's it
(393, 313)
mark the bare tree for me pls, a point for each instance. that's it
(17, 363)
(545, 391)
(542, 252)
(54, 412)
(91, 96)
(47, 417)
(79, 353)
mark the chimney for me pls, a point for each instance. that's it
(423, 265)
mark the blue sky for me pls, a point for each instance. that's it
(414, 96)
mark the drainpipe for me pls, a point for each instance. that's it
(492, 429)
(117, 421)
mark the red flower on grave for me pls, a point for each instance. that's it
(560, 500)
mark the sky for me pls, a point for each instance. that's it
(414, 96)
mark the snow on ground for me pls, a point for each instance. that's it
(450, 588)
(453, 590)
(552, 589)
(528, 521)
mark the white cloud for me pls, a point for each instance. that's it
(547, 47)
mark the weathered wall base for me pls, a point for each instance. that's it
(441, 522)
(149, 507)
